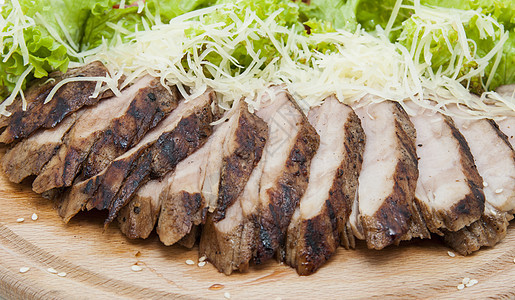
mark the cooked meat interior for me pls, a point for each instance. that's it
(30, 155)
(449, 188)
(507, 125)
(320, 219)
(388, 177)
(106, 131)
(184, 130)
(257, 221)
(69, 98)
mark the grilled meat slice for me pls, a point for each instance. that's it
(185, 130)
(293, 143)
(106, 131)
(388, 177)
(213, 176)
(280, 177)
(30, 155)
(138, 218)
(321, 218)
(495, 161)
(449, 188)
(69, 98)
(191, 238)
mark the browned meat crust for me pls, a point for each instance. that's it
(191, 238)
(246, 149)
(470, 208)
(487, 231)
(30, 155)
(272, 221)
(114, 186)
(311, 242)
(229, 251)
(69, 98)
(97, 149)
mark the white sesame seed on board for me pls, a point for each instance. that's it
(451, 254)
(34, 217)
(61, 274)
(190, 262)
(51, 270)
(227, 295)
(471, 283)
(19, 220)
(202, 263)
(465, 280)
(461, 286)
(498, 191)
(485, 184)
(203, 258)
(24, 269)
(136, 268)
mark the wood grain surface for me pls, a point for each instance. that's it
(98, 265)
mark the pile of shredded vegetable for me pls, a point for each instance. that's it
(352, 65)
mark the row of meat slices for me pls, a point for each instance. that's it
(274, 183)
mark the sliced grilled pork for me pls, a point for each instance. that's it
(321, 218)
(257, 221)
(106, 131)
(184, 130)
(213, 177)
(495, 161)
(449, 188)
(386, 212)
(69, 98)
(30, 155)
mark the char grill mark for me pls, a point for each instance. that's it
(30, 155)
(176, 137)
(388, 177)
(284, 179)
(217, 171)
(320, 221)
(449, 190)
(106, 131)
(69, 98)
(242, 151)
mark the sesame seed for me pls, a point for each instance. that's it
(451, 254)
(227, 295)
(34, 217)
(216, 287)
(203, 258)
(465, 280)
(202, 263)
(190, 262)
(498, 191)
(61, 274)
(24, 269)
(51, 270)
(471, 282)
(19, 220)
(461, 286)
(485, 184)
(514, 260)
(136, 268)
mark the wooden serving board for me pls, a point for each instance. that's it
(98, 265)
